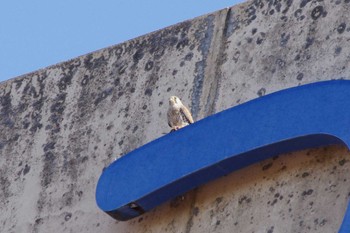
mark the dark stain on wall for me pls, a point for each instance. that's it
(138, 55)
(6, 113)
(317, 12)
(103, 95)
(26, 169)
(341, 28)
(36, 114)
(5, 192)
(303, 3)
(284, 39)
(204, 34)
(49, 169)
(91, 63)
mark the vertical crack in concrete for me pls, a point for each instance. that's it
(204, 47)
(189, 223)
(214, 77)
(231, 25)
(219, 58)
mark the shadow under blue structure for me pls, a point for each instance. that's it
(297, 118)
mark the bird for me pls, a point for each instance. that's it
(178, 114)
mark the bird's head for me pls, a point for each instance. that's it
(174, 100)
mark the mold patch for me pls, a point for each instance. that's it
(317, 12)
(5, 193)
(26, 169)
(103, 95)
(341, 28)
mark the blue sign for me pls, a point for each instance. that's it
(298, 118)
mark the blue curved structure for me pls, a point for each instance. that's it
(302, 117)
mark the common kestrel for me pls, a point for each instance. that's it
(178, 114)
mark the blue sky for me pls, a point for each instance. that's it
(37, 33)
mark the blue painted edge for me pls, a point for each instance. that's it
(345, 226)
(292, 119)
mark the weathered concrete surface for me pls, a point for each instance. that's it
(62, 125)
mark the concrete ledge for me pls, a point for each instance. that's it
(62, 125)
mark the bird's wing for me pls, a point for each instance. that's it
(169, 121)
(187, 114)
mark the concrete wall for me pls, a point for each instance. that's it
(62, 125)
